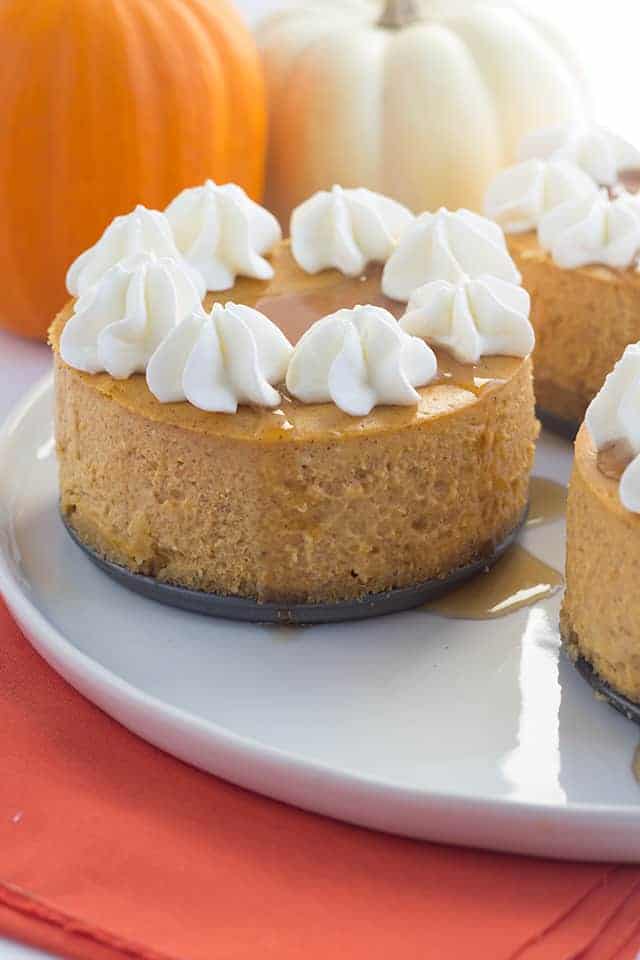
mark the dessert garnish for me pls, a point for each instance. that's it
(118, 323)
(216, 361)
(447, 246)
(521, 195)
(476, 317)
(603, 155)
(223, 234)
(346, 230)
(594, 229)
(359, 359)
(613, 417)
(141, 231)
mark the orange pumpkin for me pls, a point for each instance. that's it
(106, 103)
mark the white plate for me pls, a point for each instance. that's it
(475, 733)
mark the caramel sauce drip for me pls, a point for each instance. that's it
(294, 313)
(547, 501)
(630, 179)
(517, 580)
(614, 459)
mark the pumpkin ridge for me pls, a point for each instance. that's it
(96, 48)
(21, 150)
(141, 71)
(245, 91)
(218, 125)
(291, 103)
(438, 125)
(109, 103)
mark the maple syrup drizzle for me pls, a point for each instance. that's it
(614, 459)
(630, 179)
(547, 501)
(517, 580)
(295, 312)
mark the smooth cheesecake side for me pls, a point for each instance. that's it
(600, 618)
(583, 320)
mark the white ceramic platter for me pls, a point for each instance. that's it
(477, 733)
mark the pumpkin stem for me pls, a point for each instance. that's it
(399, 13)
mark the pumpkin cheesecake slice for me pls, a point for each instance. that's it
(291, 446)
(573, 230)
(600, 618)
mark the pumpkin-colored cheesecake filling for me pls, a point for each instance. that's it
(301, 502)
(600, 617)
(573, 229)
(583, 319)
(600, 614)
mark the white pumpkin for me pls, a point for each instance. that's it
(421, 104)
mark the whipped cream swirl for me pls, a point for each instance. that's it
(593, 230)
(477, 317)
(614, 416)
(232, 356)
(346, 230)
(520, 196)
(141, 231)
(600, 153)
(118, 323)
(447, 246)
(223, 234)
(358, 359)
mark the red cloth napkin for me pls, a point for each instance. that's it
(109, 849)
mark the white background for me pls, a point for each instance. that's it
(607, 36)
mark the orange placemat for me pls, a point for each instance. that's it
(110, 849)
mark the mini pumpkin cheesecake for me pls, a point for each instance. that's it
(573, 230)
(350, 458)
(600, 619)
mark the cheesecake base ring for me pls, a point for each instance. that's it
(296, 614)
(558, 425)
(603, 690)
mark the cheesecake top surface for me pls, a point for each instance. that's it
(602, 475)
(293, 300)
(526, 246)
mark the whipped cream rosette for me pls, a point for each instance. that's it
(613, 416)
(447, 246)
(595, 229)
(359, 359)
(346, 229)
(477, 317)
(232, 356)
(600, 153)
(223, 234)
(141, 231)
(521, 195)
(117, 324)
